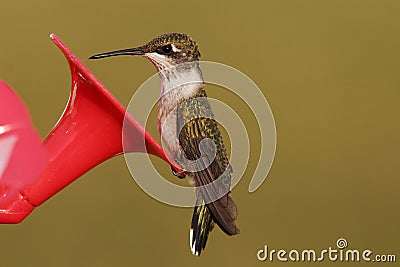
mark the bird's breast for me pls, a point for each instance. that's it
(167, 114)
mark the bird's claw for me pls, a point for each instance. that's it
(180, 175)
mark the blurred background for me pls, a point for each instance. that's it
(330, 72)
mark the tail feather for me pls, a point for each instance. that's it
(202, 224)
(223, 212)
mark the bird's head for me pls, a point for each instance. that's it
(165, 51)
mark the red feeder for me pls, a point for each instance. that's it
(88, 133)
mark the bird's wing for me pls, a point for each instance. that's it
(195, 123)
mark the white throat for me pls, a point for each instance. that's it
(184, 77)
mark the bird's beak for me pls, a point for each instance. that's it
(138, 51)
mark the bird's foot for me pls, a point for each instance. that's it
(180, 175)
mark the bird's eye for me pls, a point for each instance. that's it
(166, 49)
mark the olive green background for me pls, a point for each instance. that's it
(330, 71)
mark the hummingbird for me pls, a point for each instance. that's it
(190, 132)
